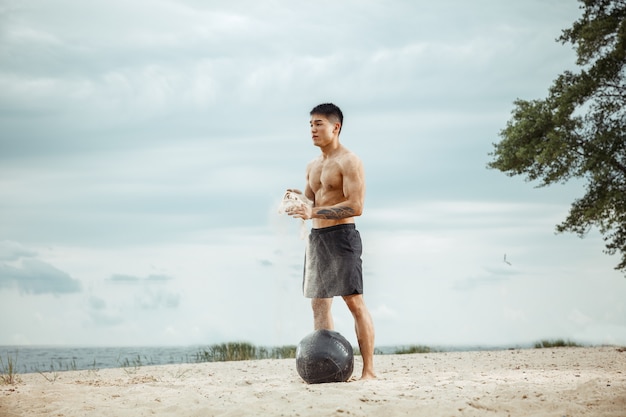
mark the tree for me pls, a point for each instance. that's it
(579, 130)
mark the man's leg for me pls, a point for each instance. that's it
(322, 315)
(364, 332)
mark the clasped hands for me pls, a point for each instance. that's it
(296, 204)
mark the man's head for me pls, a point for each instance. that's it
(329, 111)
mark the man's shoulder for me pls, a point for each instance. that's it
(349, 157)
(347, 152)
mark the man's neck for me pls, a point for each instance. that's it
(330, 149)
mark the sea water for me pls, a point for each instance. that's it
(33, 359)
(30, 359)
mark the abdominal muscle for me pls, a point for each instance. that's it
(322, 223)
(325, 199)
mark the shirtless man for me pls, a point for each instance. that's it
(335, 184)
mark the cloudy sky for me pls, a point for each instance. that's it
(145, 145)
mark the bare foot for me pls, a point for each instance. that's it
(364, 377)
(368, 375)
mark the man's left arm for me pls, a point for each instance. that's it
(353, 190)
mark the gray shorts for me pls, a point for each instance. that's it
(332, 263)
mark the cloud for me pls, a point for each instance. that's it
(97, 303)
(489, 276)
(124, 278)
(384, 312)
(104, 318)
(158, 278)
(109, 306)
(265, 262)
(37, 277)
(144, 296)
(156, 300)
(12, 251)
(100, 314)
(131, 279)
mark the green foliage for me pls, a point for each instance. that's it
(282, 352)
(555, 343)
(8, 370)
(132, 366)
(579, 130)
(239, 351)
(413, 349)
(52, 374)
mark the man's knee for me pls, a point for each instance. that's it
(355, 304)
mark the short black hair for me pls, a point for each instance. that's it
(330, 111)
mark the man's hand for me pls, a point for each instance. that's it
(297, 205)
(302, 211)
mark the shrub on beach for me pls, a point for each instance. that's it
(413, 349)
(8, 370)
(556, 343)
(241, 351)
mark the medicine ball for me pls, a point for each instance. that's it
(324, 356)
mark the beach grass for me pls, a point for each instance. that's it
(240, 351)
(414, 349)
(556, 343)
(8, 370)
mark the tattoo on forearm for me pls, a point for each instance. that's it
(336, 213)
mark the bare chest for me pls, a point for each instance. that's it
(326, 176)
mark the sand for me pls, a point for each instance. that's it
(530, 382)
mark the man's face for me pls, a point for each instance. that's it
(323, 130)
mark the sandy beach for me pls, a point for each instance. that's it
(530, 382)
